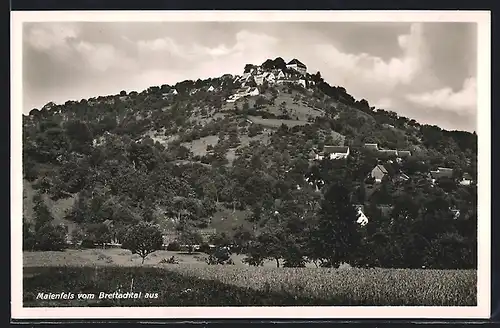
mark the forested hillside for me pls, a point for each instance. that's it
(188, 158)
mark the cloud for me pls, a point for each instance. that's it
(463, 101)
(369, 69)
(103, 57)
(245, 42)
(54, 38)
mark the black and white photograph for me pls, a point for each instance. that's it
(184, 163)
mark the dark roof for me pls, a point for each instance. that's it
(335, 149)
(442, 173)
(360, 207)
(297, 62)
(388, 151)
(467, 176)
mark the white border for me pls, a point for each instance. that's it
(482, 18)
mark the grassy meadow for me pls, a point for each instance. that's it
(194, 283)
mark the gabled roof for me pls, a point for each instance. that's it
(388, 151)
(297, 62)
(382, 168)
(467, 176)
(335, 149)
(442, 173)
(371, 145)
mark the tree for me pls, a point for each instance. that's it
(42, 213)
(51, 238)
(98, 233)
(29, 237)
(190, 237)
(335, 237)
(143, 239)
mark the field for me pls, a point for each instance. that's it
(192, 282)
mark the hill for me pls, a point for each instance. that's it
(195, 152)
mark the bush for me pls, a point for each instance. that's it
(50, 238)
(174, 246)
(205, 248)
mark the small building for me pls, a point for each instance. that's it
(298, 66)
(253, 92)
(466, 179)
(440, 173)
(362, 218)
(378, 173)
(280, 75)
(388, 153)
(333, 152)
(211, 89)
(371, 146)
(270, 77)
(259, 79)
(401, 176)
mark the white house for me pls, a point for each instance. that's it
(211, 88)
(280, 75)
(362, 218)
(271, 78)
(259, 79)
(302, 82)
(297, 65)
(466, 179)
(254, 92)
(333, 152)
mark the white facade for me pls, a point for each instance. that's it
(465, 182)
(299, 69)
(211, 88)
(259, 79)
(254, 92)
(362, 219)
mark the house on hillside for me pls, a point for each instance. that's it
(253, 92)
(259, 79)
(281, 75)
(302, 82)
(455, 212)
(440, 173)
(211, 89)
(298, 66)
(333, 152)
(401, 176)
(371, 146)
(270, 77)
(388, 153)
(378, 173)
(466, 179)
(362, 218)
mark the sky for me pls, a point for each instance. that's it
(425, 71)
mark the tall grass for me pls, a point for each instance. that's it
(233, 286)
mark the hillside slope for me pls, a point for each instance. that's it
(201, 151)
